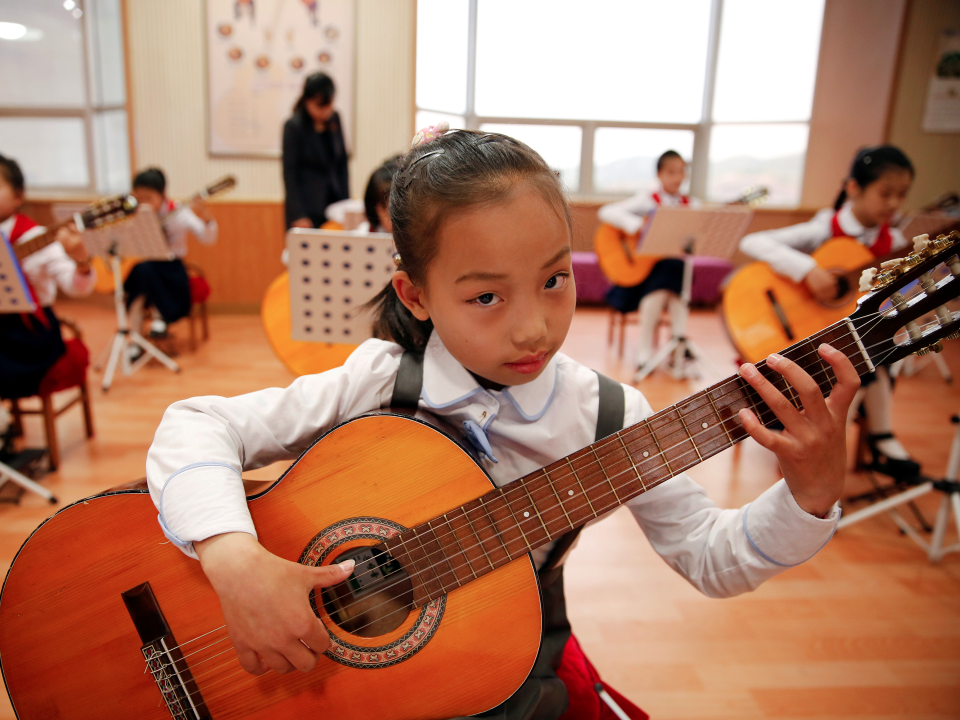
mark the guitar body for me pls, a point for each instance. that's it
(617, 260)
(69, 647)
(749, 314)
(299, 357)
(104, 284)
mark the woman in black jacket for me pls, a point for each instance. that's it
(314, 155)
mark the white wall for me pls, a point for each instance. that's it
(167, 67)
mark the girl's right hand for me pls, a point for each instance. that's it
(822, 284)
(302, 223)
(265, 602)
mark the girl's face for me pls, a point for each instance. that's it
(500, 290)
(149, 196)
(672, 175)
(880, 201)
(318, 112)
(10, 199)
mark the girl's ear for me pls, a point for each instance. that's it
(410, 295)
(852, 187)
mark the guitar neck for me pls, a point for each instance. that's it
(47, 237)
(513, 520)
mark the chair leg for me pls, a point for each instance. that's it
(203, 322)
(17, 417)
(192, 319)
(87, 413)
(623, 333)
(610, 326)
(49, 423)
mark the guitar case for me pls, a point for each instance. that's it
(543, 696)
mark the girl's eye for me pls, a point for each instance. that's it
(488, 299)
(556, 282)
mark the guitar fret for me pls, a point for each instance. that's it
(557, 495)
(536, 509)
(692, 441)
(513, 514)
(582, 489)
(496, 529)
(433, 562)
(656, 442)
(427, 569)
(479, 539)
(473, 542)
(632, 463)
(459, 551)
(723, 423)
(823, 369)
(604, 471)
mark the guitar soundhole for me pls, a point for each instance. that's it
(375, 599)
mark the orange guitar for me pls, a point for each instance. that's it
(102, 618)
(764, 312)
(617, 253)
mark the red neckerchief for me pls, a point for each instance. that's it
(21, 226)
(684, 200)
(881, 246)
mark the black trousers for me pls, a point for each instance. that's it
(667, 274)
(28, 349)
(164, 284)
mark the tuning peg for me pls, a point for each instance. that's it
(934, 348)
(887, 264)
(920, 243)
(867, 278)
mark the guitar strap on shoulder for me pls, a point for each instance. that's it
(406, 389)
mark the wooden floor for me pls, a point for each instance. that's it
(867, 629)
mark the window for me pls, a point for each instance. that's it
(602, 89)
(63, 113)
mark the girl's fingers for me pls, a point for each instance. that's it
(811, 397)
(848, 380)
(250, 661)
(765, 437)
(782, 408)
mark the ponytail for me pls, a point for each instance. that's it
(869, 166)
(393, 321)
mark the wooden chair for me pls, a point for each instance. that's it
(199, 294)
(70, 371)
(618, 325)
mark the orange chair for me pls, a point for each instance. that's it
(70, 371)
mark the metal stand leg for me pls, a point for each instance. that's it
(8, 473)
(680, 345)
(126, 337)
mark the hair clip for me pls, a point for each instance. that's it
(415, 168)
(429, 133)
(397, 260)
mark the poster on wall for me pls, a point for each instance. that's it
(258, 54)
(942, 112)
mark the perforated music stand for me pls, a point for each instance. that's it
(685, 232)
(140, 237)
(332, 276)
(15, 297)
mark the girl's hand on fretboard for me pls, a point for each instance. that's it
(69, 237)
(812, 447)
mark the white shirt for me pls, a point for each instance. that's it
(50, 267)
(177, 226)
(628, 215)
(787, 250)
(203, 444)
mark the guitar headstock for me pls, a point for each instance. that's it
(227, 182)
(108, 210)
(905, 291)
(754, 196)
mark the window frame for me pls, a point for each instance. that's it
(87, 112)
(699, 162)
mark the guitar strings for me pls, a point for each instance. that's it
(617, 503)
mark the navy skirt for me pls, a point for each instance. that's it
(164, 284)
(667, 274)
(28, 349)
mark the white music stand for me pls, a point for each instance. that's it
(141, 237)
(685, 232)
(949, 486)
(332, 276)
(15, 298)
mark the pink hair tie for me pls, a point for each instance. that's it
(430, 133)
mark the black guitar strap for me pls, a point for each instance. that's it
(406, 389)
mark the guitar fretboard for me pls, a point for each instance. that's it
(508, 522)
(23, 249)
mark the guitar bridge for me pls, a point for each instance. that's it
(163, 657)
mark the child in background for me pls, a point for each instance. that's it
(30, 343)
(870, 200)
(662, 286)
(484, 290)
(376, 198)
(163, 284)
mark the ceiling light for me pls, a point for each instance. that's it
(69, 4)
(12, 31)
(77, 13)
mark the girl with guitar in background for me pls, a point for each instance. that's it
(30, 343)
(164, 284)
(662, 286)
(481, 302)
(865, 209)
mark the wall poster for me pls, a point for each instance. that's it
(258, 54)
(942, 113)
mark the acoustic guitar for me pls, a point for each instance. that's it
(101, 617)
(104, 282)
(618, 253)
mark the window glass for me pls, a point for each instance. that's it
(558, 145)
(52, 152)
(105, 31)
(625, 159)
(604, 60)
(442, 55)
(429, 117)
(112, 152)
(743, 156)
(43, 41)
(764, 73)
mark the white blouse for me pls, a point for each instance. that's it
(50, 267)
(787, 250)
(177, 226)
(203, 444)
(628, 215)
